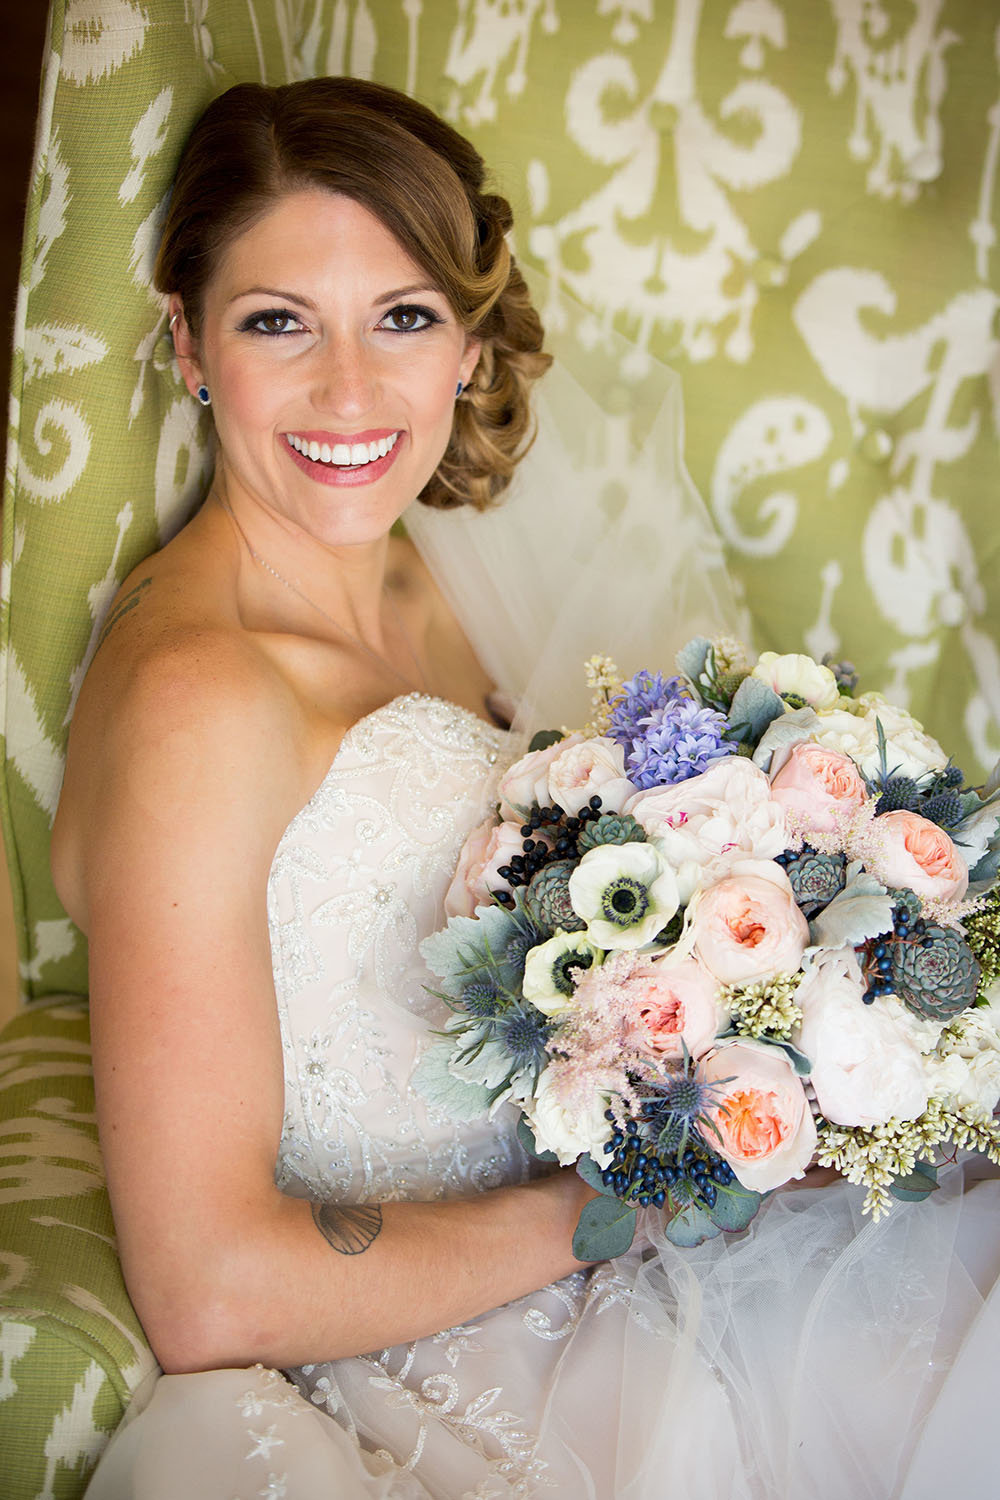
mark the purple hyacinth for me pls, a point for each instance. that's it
(674, 742)
(643, 695)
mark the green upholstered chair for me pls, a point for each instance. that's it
(794, 202)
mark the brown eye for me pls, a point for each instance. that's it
(409, 318)
(272, 322)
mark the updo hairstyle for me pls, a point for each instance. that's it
(425, 183)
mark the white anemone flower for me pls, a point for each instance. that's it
(626, 894)
(548, 971)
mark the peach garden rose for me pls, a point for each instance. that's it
(766, 1129)
(918, 855)
(747, 926)
(817, 783)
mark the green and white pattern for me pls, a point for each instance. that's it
(793, 202)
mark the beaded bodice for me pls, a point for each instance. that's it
(357, 881)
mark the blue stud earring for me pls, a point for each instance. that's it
(458, 390)
(203, 395)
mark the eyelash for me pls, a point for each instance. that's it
(252, 323)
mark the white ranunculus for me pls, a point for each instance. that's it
(549, 967)
(970, 1073)
(568, 1131)
(910, 750)
(589, 768)
(852, 734)
(703, 824)
(867, 1062)
(800, 676)
(626, 894)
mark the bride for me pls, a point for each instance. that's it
(280, 747)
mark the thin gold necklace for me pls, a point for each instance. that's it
(355, 639)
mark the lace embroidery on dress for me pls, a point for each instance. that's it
(358, 878)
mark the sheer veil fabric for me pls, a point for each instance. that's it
(815, 1355)
(602, 543)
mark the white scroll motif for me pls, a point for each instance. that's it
(779, 433)
(99, 36)
(665, 142)
(899, 88)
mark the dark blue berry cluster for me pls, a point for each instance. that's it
(880, 955)
(561, 843)
(637, 1174)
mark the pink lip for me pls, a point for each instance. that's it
(346, 478)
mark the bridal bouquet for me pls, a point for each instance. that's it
(746, 922)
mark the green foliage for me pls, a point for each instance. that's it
(605, 1229)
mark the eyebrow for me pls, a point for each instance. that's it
(285, 296)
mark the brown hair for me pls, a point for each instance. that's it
(426, 184)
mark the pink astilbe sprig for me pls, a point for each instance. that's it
(596, 1046)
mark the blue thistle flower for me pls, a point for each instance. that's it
(675, 742)
(639, 697)
(523, 1032)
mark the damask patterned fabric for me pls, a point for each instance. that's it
(794, 204)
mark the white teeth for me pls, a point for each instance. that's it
(343, 455)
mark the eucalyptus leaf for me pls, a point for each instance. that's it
(976, 835)
(791, 729)
(735, 1206)
(992, 781)
(916, 1185)
(527, 1139)
(802, 1064)
(605, 1229)
(691, 658)
(863, 909)
(591, 1174)
(692, 1226)
(457, 1098)
(755, 705)
(544, 738)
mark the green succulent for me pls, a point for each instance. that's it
(815, 878)
(937, 974)
(547, 899)
(610, 828)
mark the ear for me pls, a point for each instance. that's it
(185, 346)
(470, 358)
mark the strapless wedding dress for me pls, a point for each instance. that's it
(816, 1356)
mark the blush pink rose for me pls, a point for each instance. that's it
(588, 768)
(766, 1129)
(487, 848)
(670, 1006)
(919, 855)
(527, 780)
(747, 926)
(817, 783)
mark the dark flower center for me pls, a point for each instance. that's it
(563, 979)
(624, 901)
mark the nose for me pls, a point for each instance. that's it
(345, 380)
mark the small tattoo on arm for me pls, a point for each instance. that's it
(349, 1227)
(122, 608)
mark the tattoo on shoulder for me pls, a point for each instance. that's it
(349, 1227)
(124, 606)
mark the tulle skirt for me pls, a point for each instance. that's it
(817, 1356)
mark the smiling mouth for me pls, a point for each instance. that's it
(342, 455)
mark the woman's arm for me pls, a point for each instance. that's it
(187, 795)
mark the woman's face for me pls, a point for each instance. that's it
(332, 365)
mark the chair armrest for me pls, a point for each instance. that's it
(72, 1351)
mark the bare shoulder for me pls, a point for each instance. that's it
(184, 724)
